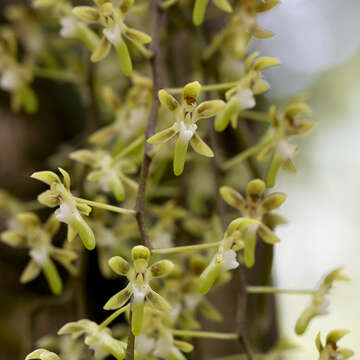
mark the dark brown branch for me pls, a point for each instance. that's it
(151, 123)
(145, 166)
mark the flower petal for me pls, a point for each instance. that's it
(200, 146)
(119, 299)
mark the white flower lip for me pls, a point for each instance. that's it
(187, 131)
(9, 80)
(246, 99)
(230, 261)
(113, 35)
(68, 27)
(286, 149)
(140, 292)
(65, 212)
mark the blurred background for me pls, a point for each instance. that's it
(319, 46)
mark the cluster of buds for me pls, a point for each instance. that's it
(109, 172)
(98, 338)
(16, 76)
(26, 230)
(130, 115)
(187, 114)
(70, 208)
(330, 350)
(291, 121)
(111, 17)
(139, 291)
(258, 207)
(241, 96)
(320, 303)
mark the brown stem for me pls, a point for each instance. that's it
(150, 128)
(130, 348)
(151, 123)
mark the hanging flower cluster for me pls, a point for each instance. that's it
(187, 115)
(26, 230)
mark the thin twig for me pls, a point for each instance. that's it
(151, 123)
(241, 314)
(150, 128)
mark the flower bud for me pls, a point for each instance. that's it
(265, 62)
(232, 197)
(140, 252)
(119, 265)
(224, 116)
(48, 177)
(167, 100)
(86, 13)
(13, 238)
(273, 201)
(255, 188)
(137, 36)
(303, 321)
(191, 92)
(209, 108)
(209, 276)
(161, 268)
(42, 354)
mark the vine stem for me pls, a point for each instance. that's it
(273, 290)
(151, 123)
(155, 13)
(205, 334)
(180, 249)
(211, 87)
(113, 316)
(106, 206)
